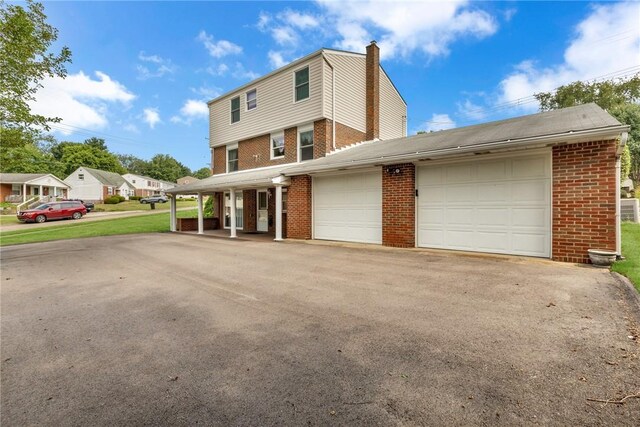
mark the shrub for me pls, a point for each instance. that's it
(186, 199)
(121, 198)
(113, 200)
(208, 207)
(135, 197)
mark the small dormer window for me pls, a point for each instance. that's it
(235, 109)
(302, 84)
(252, 99)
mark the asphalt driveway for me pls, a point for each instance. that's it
(171, 329)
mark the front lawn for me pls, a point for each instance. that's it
(138, 224)
(630, 267)
(9, 219)
(134, 205)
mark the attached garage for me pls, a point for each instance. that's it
(500, 205)
(348, 207)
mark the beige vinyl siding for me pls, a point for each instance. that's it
(276, 108)
(393, 110)
(350, 90)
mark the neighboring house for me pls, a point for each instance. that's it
(544, 185)
(147, 186)
(96, 185)
(184, 181)
(627, 185)
(19, 187)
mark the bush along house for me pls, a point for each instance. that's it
(318, 150)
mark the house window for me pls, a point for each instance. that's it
(302, 84)
(235, 109)
(252, 99)
(81, 176)
(16, 189)
(110, 191)
(277, 145)
(284, 201)
(239, 210)
(232, 158)
(305, 141)
(133, 181)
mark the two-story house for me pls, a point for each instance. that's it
(96, 185)
(146, 186)
(318, 150)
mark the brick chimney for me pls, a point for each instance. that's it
(373, 91)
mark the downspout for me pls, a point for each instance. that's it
(333, 103)
(623, 142)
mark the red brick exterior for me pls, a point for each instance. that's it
(398, 205)
(249, 210)
(5, 190)
(584, 199)
(299, 208)
(373, 92)
(219, 160)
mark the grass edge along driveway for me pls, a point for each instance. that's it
(630, 267)
(154, 223)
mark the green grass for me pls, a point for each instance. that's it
(140, 224)
(630, 267)
(134, 205)
(9, 219)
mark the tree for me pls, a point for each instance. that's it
(619, 97)
(607, 94)
(133, 164)
(97, 143)
(165, 167)
(75, 155)
(25, 61)
(30, 159)
(202, 173)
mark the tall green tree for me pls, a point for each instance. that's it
(202, 173)
(30, 159)
(25, 60)
(619, 97)
(165, 167)
(133, 164)
(75, 155)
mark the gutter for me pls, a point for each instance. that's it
(568, 137)
(333, 102)
(623, 141)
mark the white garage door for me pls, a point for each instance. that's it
(498, 206)
(348, 207)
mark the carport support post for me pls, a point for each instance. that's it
(200, 215)
(232, 195)
(24, 193)
(278, 213)
(172, 213)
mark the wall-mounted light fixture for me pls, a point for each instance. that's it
(394, 170)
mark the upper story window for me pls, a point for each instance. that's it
(305, 142)
(232, 158)
(277, 145)
(235, 109)
(252, 99)
(302, 84)
(133, 181)
(81, 176)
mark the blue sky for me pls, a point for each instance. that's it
(142, 71)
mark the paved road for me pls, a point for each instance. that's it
(93, 216)
(168, 329)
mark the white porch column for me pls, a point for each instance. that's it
(172, 213)
(24, 193)
(40, 192)
(232, 195)
(200, 215)
(278, 213)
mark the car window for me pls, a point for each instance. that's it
(42, 207)
(55, 206)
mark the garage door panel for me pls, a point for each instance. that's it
(348, 207)
(430, 177)
(500, 206)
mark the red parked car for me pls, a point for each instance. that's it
(53, 210)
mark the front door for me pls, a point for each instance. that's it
(263, 211)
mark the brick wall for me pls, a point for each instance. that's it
(373, 92)
(322, 134)
(5, 190)
(299, 208)
(584, 199)
(249, 210)
(219, 160)
(398, 206)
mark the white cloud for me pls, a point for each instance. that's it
(284, 35)
(299, 20)
(469, 110)
(80, 100)
(404, 28)
(156, 66)
(276, 59)
(151, 116)
(207, 92)
(605, 42)
(220, 48)
(219, 70)
(242, 73)
(437, 122)
(130, 127)
(263, 20)
(192, 109)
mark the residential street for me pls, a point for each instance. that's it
(174, 329)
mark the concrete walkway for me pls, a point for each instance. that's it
(93, 216)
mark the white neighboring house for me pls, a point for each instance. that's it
(96, 185)
(18, 187)
(147, 186)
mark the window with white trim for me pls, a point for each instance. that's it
(277, 145)
(235, 109)
(305, 142)
(252, 99)
(302, 84)
(232, 158)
